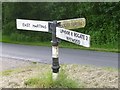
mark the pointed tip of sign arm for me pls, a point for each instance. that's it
(84, 22)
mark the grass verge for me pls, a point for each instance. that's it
(46, 81)
(63, 44)
(6, 72)
(110, 69)
(70, 76)
(16, 70)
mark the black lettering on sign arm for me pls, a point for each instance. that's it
(71, 33)
(61, 31)
(67, 38)
(68, 32)
(75, 34)
(42, 26)
(86, 37)
(35, 25)
(45, 26)
(83, 37)
(25, 24)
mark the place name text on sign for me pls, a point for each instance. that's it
(74, 37)
(32, 25)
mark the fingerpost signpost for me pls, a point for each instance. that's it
(59, 30)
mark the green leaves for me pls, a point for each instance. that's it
(102, 19)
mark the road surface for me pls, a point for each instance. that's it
(66, 56)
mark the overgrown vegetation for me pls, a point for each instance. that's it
(101, 21)
(46, 81)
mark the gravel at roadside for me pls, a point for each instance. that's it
(11, 63)
(89, 76)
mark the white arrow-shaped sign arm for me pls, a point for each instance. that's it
(74, 37)
(33, 25)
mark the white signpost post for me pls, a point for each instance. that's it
(58, 31)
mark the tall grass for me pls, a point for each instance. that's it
(45, 81)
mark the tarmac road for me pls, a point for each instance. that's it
(66, 56)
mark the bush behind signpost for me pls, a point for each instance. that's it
(101, 20)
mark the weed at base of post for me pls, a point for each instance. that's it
(45, 81)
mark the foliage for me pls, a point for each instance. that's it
(46, 81)
(102, 19)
